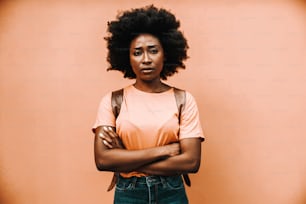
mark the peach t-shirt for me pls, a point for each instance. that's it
(150, 119)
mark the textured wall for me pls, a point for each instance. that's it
(247, 70)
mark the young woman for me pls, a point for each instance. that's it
(151, 143)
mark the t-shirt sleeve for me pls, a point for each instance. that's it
(105, 114)
(190, 126)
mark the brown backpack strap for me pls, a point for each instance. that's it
(113, 182)
(117, 98)
(116, 101)
(180, 97)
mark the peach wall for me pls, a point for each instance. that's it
(247, 70)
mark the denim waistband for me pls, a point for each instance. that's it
(151, 190)
(149, 180)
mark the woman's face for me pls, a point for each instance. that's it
(146, 57)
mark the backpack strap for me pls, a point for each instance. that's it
(116, 101)
(180, 97)
(117, 98)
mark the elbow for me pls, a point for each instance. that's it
(195, 169)
(102, 165)
(194, 166)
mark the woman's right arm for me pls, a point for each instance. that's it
(122, 160)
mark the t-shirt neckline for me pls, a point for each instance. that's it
(150, 93)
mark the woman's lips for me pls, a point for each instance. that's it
(147, 70)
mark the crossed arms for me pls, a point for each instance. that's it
(171, 159)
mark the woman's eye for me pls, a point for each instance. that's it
(154, 51)
(137, 53)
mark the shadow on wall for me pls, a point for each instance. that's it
(303, 198)
(2, 2)
(5, 194)
(302, 3)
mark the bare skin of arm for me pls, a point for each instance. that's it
(114, 157)
(187, 161)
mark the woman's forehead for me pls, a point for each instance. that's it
(147, 40)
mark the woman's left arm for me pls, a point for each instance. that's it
(187, 162)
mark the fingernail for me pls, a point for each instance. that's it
(110, 128)
(105, 128)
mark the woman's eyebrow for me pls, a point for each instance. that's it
(152, 46)
(149, 46)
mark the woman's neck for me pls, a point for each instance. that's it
(151, 87)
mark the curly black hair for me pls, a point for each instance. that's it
(158, 22)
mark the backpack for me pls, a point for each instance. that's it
(116, 101)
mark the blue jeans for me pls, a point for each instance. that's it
(150, 190)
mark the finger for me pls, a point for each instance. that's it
(108, 128)
(107, 144)
(108, 131)
(101, 135)
(104, 137)
(111, 132)
(105, 133)
(105, 128)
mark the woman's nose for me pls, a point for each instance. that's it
(146, 58)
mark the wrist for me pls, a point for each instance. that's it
(164, 152)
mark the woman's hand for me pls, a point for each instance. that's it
(172, 149)
(110, 138)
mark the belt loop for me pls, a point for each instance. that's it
(163, 181)
(134, 181)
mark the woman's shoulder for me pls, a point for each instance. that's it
(108, 93)
(182, 90)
